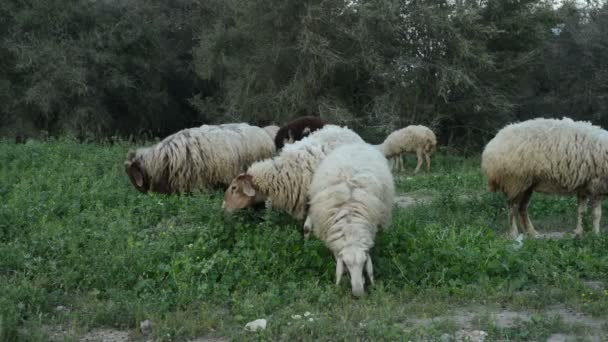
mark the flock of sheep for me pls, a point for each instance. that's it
(343, 188)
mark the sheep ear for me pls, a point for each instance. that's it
(248, 189)
(339, 269)
(247, 184)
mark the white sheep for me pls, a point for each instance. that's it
(284, 180)
(198, 158)
(414, 138)
(272, 130)
(549, 156)
(351, 198)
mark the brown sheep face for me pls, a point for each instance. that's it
(241, 194)
(137, 173)
(141, 178)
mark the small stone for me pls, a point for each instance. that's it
(296, 316)
(61, 308)
(145, 327)
(258, 324)
(471, 336)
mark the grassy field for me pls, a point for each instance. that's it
(81, 249)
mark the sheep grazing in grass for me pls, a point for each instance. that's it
(297, 130)
(549, 156)
(415, 138)
(198, 158)
(282, 182)
(272, 130)
(351, 198)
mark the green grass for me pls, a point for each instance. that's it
(75, 233)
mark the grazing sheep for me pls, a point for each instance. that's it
(549, 156)
(198, 158)
(283, 181)
(414, 138)
(21, 139)
(272, 130)
(296, 130)
(351, 198)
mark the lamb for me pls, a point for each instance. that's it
(272, 130)
(198, 158)
(282, 182)
(549, 156)
(414, 138)
(351, 198)
(296, 130)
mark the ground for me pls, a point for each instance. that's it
(85, 257)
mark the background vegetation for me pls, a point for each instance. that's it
(96, 69)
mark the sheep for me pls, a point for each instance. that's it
(351, 198)
(413, 138)
(297, 129)
(198, 158)
(272, 130)
(282, 182)
(549, 156)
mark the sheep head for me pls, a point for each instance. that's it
(143, 179)
(241, 193)
(137, 173)
(354, 259)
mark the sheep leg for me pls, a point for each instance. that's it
(582, 208)
(307, 227)
(523, 213)
(427, 156)
(369, 269)
(400, 166)
(339, 270)
(596, 203)
(419, 156)
(391, 163)
(513, 206)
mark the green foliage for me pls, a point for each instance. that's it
(149, 68)
(74, 232)
(97, 69)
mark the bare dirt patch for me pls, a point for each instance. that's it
(210, 339)
(105, 335)
(62, 333)
(470, 319)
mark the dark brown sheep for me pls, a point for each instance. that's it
(296, 130)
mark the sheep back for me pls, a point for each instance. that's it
(554, 156)
(198, 158)
(351, 196)
(272, 131)
(285, 179)
(297, 129)
(409, 139)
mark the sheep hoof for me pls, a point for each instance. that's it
(534, 234)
